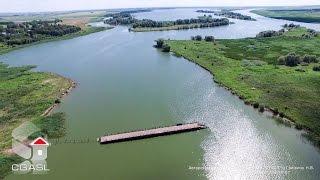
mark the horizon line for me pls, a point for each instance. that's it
(160, 7)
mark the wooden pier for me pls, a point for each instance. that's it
(142, 134)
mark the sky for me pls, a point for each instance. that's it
(62, 5)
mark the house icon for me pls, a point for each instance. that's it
(39, 149)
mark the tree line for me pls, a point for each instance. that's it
(125, 18)
(27, 32)
(202, 21)
(287, 27)
(228, 14)
(206, 38)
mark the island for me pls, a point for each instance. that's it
(125, 18)
(279, 73)
(300, 15)
(228, 14)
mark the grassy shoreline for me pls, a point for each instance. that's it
(306, 16)
(288, 93)
(49, 90)
(25, 96)
(35, 95)
(85, 31)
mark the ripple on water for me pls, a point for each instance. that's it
(236, 148)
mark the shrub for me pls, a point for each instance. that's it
(160, 43)
(316, 68)
(57, 101)
(290, 26)
(261, 108)
(309, 59)
(198, 38)
(256, 105)
(281, 60)
(281, 115)
(269, 33)
(299, 126)
(290, 59)
(276, 111)
(166, 48)
(209, 38)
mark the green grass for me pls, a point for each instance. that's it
(24, 96)
(85, 31)
(296, 94)
(308, 16)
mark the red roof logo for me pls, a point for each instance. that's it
(39, 141)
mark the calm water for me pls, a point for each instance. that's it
(125, 84)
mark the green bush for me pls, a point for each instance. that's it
(309, 59)
(316, 68)
(198, 38)
(281, 114)
(57, 101)
(53, 126)
(256, 105)
(261, 108)
(209, 38)
(166, 48)
(159, 43)
(290, 59)
(5, 164)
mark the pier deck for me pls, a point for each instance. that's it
(142, 134)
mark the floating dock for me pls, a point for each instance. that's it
(143, 134)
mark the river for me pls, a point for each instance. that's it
(126, 84)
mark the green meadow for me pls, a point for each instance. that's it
(24, 96)
(301, 15)
(248, 67)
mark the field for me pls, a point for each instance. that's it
(247, 68)
(24, 96)
(90, 15)
(300, 15)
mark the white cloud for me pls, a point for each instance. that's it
(58, 5)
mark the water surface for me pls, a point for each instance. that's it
(125, 84)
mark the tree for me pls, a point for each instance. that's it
(292, 60)
(209, 38)
(198, 38)
(160, 43)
